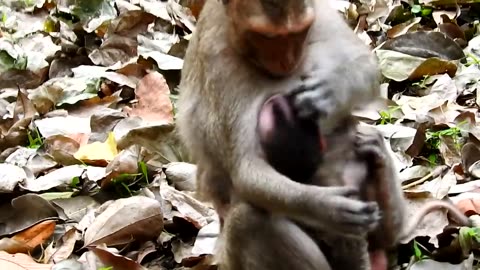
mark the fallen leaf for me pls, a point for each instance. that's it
(154, 103)
(33, 209)
(60, 178)
(98, 153)
(118, 262)
(35, 235)
(182, 175)
(126, 220)
(20, 262)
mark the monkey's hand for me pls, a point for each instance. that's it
(370, 146)
(336, 88)
(338, 211)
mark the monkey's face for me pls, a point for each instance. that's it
(271, 34)
(278, 55)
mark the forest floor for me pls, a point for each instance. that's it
(92, 175)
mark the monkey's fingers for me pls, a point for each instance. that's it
(354, 216)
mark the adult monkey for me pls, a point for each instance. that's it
(243, 52)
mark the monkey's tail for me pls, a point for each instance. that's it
(429, 207)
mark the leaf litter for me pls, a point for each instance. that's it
(93, 176)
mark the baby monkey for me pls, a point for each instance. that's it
(296, 147)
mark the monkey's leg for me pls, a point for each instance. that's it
(349, 254)
(343, 253)
(256, 240)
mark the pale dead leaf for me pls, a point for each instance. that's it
(10, 177)
(428, 264)
(65, 246)
(70, 264)
(75, 208)
(182, 175)
(181, 250)
(60, 178)
(440, 186)
(126, 220)
(205, 242)
(34, 161)
(63, 126)
(62, 148)
(465, 187)
(191, 209)
(20, 262)
(450, 150)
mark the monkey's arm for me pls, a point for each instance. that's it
(336, 87)
(325, 207)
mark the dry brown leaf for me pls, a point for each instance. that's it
(62, 148)
(118, 262)
(37, 234)
(154, 103)
(124, 163)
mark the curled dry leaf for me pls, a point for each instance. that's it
(65, 246)
(33, 209)
(34, 236)
(182, 175)
(118, 262)
(126, 220)
(190, 208)
(62, 148)
(124, 163)
(75, 208)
